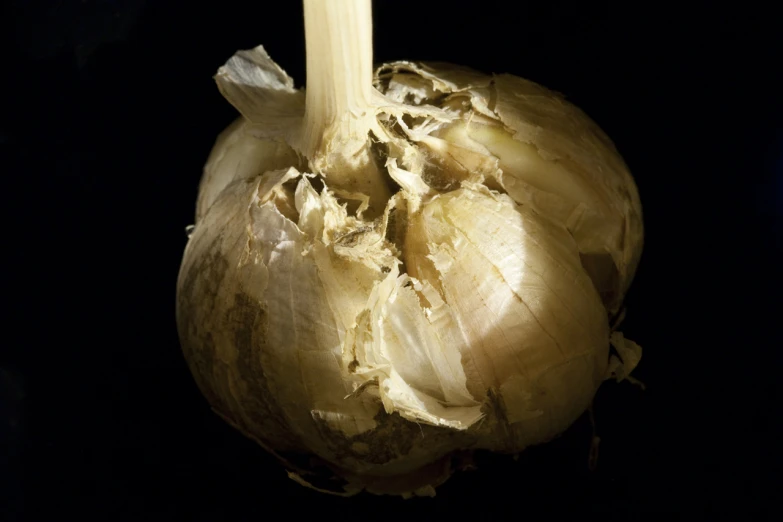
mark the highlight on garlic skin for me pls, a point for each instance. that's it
(394, 267)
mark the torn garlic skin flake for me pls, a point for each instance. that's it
(393, 266)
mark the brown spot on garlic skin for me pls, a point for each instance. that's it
(396, 445)
(497, 422)
(249, 320)
(222, 337)
(201, 359)
(389, 441)
(210, 271)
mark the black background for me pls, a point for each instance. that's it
(109, 115)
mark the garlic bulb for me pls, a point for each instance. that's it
(391, 267)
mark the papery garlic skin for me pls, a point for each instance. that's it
(544, 352)
(237, 154)
(548, 154)
(472, 314)
(264, 342)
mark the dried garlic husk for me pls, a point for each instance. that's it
(391, 268)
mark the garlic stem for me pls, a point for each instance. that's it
(339, 109)
(339, 59)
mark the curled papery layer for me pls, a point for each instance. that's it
(525, 139)
(507, 289)
(267, 309)
(287, 354)
(541, 150)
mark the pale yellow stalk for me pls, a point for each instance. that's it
(339, 111)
